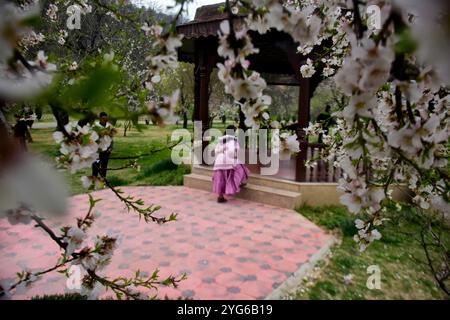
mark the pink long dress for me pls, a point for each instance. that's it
(229, 172)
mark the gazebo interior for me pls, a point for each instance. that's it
(279, 64)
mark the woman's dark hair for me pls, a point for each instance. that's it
(229, 128)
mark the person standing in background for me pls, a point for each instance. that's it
(21, 132)
(229, 173)
(29, 116)
(100, 166)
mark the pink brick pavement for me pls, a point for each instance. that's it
(237, 250)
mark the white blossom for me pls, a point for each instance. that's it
(52, 12)
(328, 71)
(348, 279)
(21, 190)
(92, 293)
(86, 182)
(104, 142)
(74, 239)
(62, 37)
(307, 70)
(73, 66)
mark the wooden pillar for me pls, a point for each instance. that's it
(304, 102)
(205, 57)
(306, 90)
(303, 109)
(196, 116)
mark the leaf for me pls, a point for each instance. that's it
(93, 201)
(406, 43)
(31, 21)
(155, 274)
(95, 89)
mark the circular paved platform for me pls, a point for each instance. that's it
(237, 250)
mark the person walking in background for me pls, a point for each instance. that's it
(29, 116)
(100, 166)
(21, 133)
(229, 174)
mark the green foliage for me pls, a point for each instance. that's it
(110, 56)
(404, 273)
(332, 217)
(326, 286)
(65, 296)
(94, 90)
(345, 262)
(405, 43)
(158, 167)
(117, 181)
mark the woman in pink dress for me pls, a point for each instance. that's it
(229, 173)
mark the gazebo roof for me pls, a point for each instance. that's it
(206, 22)
(278, 48)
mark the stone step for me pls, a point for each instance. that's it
(252, 192)
(256, 179)
(202, 170)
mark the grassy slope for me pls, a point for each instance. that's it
(399, 256)
(156, 169)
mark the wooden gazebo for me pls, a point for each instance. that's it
(278, 62)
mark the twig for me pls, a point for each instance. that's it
(145, 212)
(49, 231)
(357, 20)
(430, 263)
(37, 274)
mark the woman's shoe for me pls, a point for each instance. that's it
(221, 200)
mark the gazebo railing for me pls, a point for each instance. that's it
(323, 171)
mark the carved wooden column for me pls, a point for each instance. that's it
(205, 57)
(197, 87)
(302, 121)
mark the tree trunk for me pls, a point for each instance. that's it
(242, 120)
(125, 128)
(61, 116)
(185, 119)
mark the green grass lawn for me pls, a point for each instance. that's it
(398, 254)
(156, 169)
